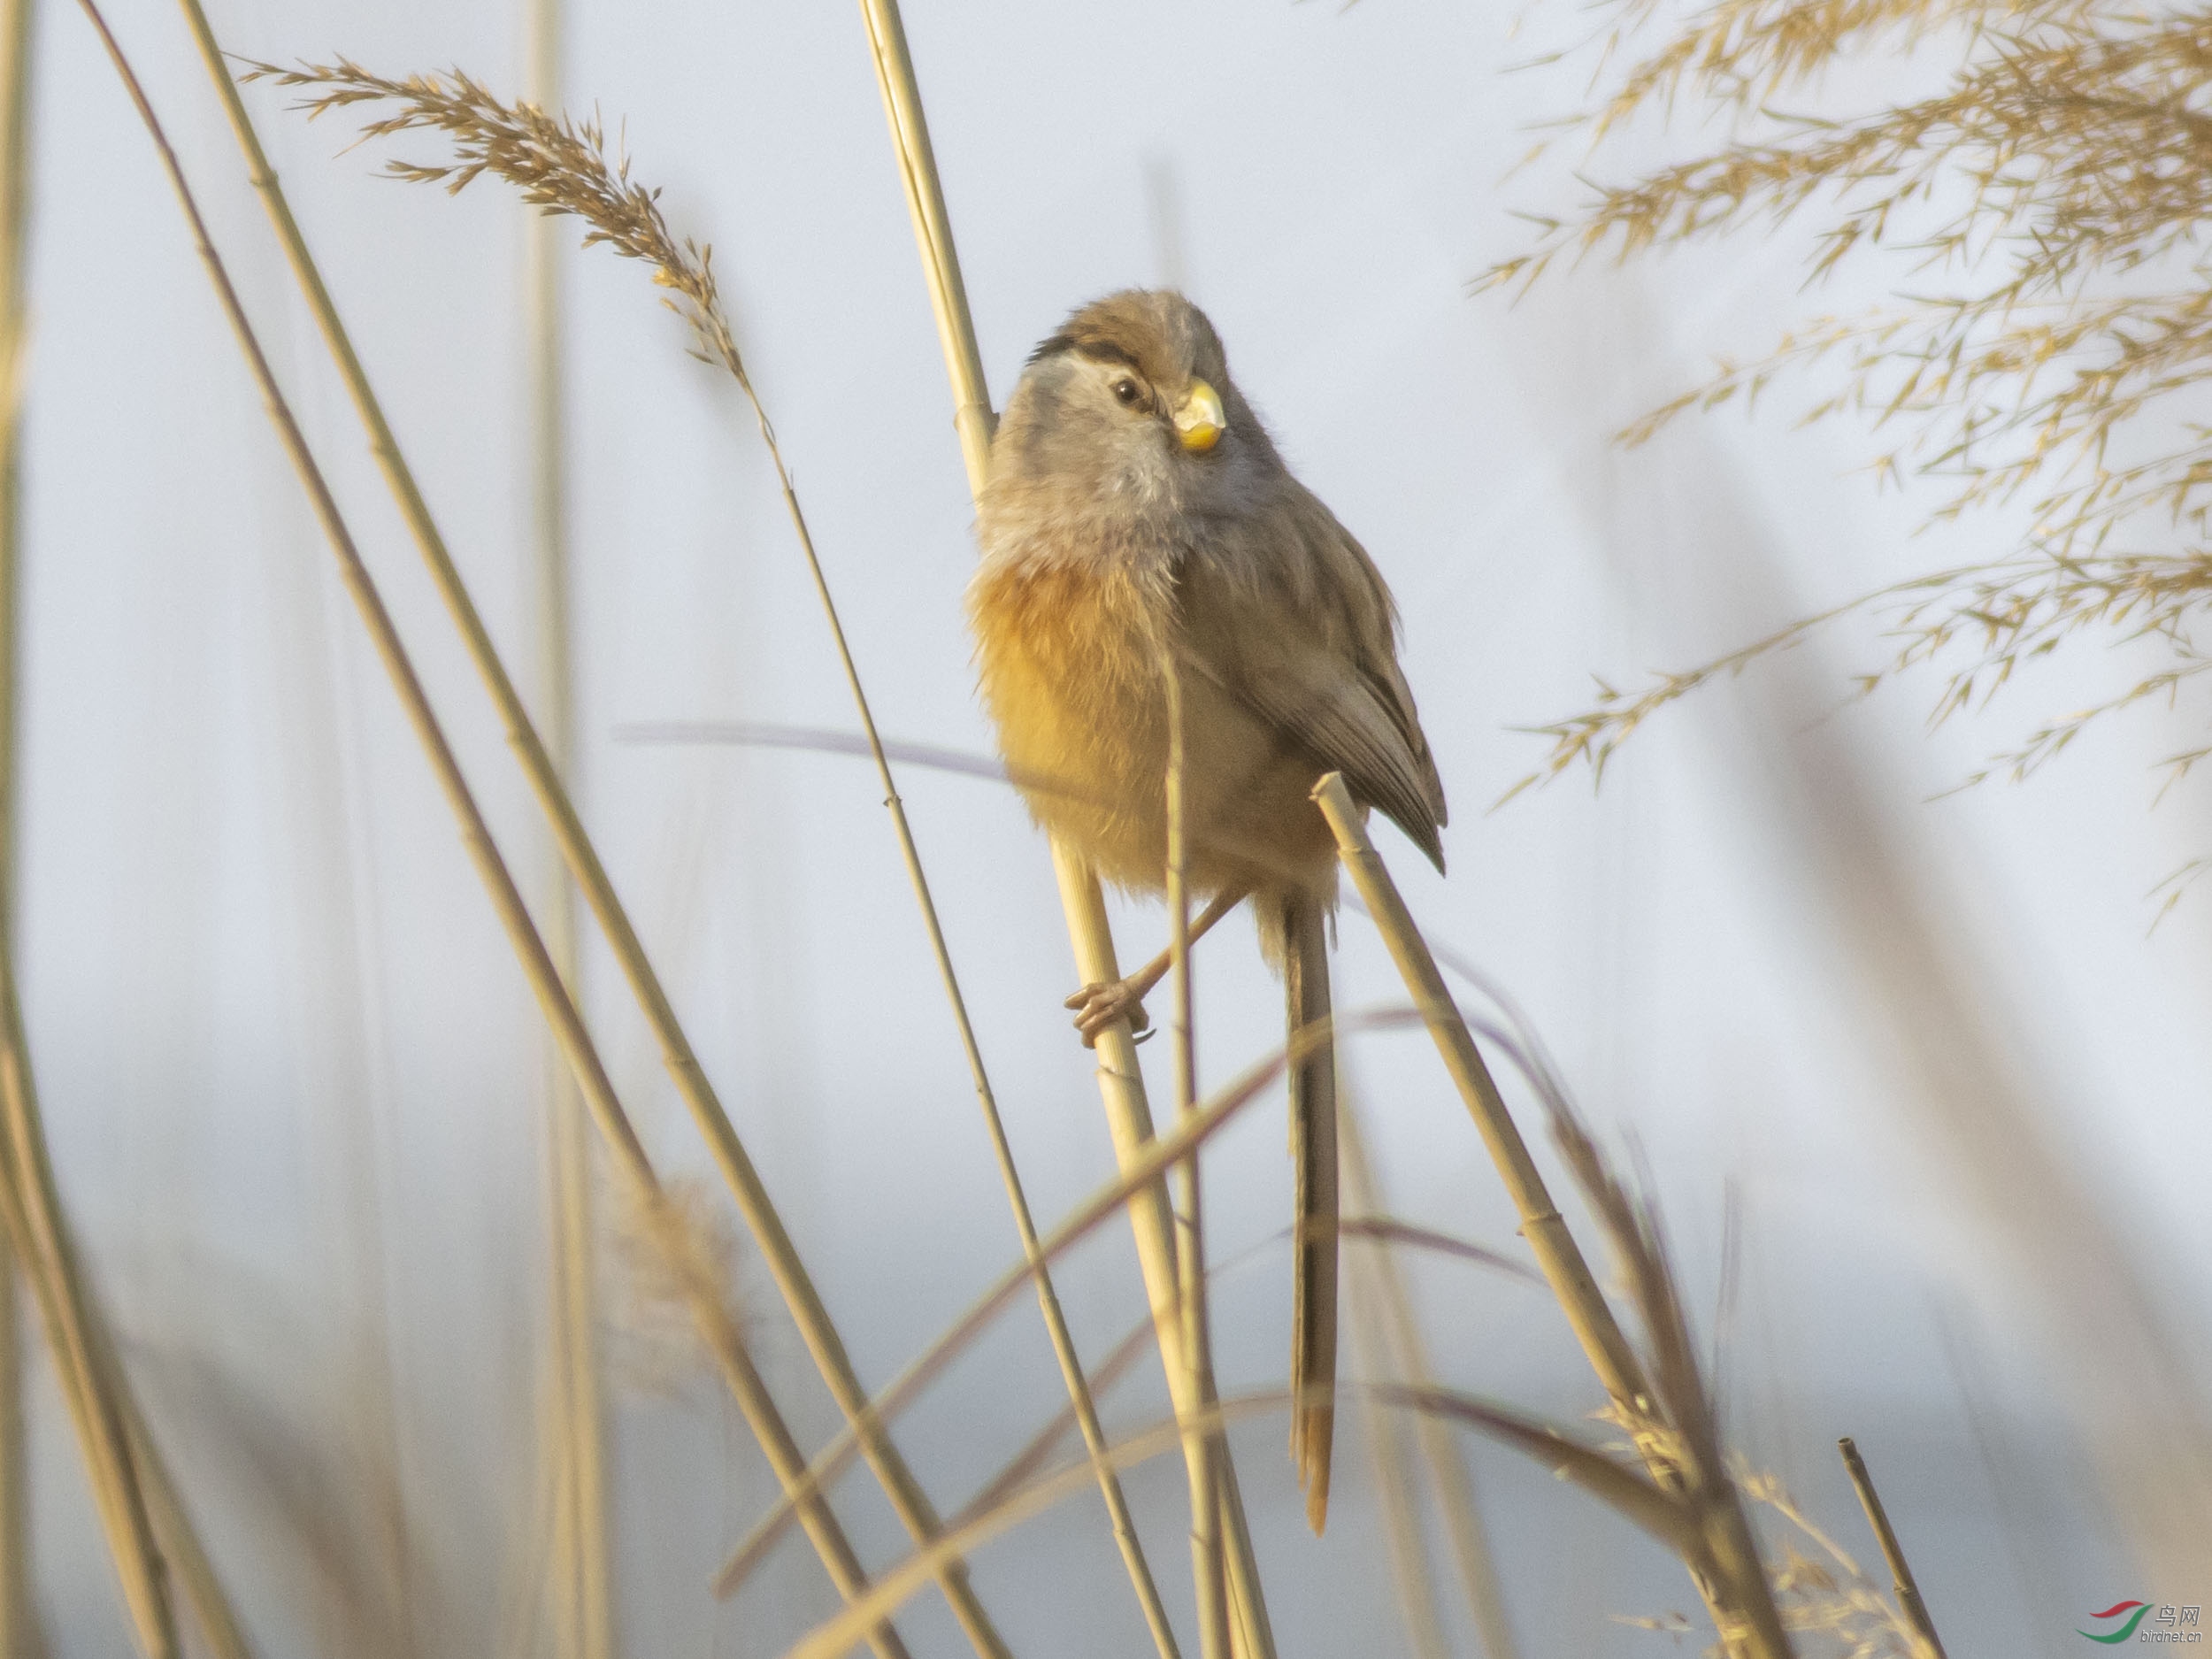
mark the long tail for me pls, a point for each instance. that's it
(1314, 1247)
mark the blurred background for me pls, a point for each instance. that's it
(1916, 1061)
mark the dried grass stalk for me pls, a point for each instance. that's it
(1204, 1454)
(30, 1206)
(1665, 1412)
(1146, 1170)
(1392, 1337)
(19, 1632)
(578, 1585)
(1396, 1477)
(93, 1387)
(1893, 1552)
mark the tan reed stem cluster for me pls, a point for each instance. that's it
(148, 1531)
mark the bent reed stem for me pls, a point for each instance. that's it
(716, 1327)
(1737, 1595)
(908, 1500)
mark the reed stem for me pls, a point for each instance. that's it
(37, 1231)
(1204, 1456)
(820, 1333)
(580, 1586)
(19, 1631)
(1909, 1601)
(1121, 1082)
(40, 1238)
(1736, 1592)
(1388, 1328)
(716, 1326)
(221, 1633)
(1147, 1170)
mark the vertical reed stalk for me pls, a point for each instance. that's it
(37, 1234)
(1737, 1595)
(1909, 1601)
(220, 1630)
(1397, 1485)
(19, 1632)
(1204, 1453)
(1385, 1321)
(579, 1585)
(18, 1613)
(41, 1240)
(716, 1326)
(908, 1500)
(1121, 1082)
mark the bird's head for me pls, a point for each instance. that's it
(1129, 407)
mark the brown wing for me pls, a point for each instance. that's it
(1313, 652)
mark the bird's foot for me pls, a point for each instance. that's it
(1099, 1006)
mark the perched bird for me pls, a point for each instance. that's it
(1137, 517)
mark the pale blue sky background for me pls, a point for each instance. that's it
(295, 1079)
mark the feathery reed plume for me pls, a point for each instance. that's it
(561, 167)
(909, 1501)
(1825, 1594)
(1121, 1078)
(559, 164)
(2059, 181)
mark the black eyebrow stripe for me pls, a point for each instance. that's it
(1105, 351)
(1097, 350)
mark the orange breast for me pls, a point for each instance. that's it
(1068, 663)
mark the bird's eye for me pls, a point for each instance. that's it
(1128, 391)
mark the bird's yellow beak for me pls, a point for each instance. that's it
(1198, 417)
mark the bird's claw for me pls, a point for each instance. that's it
(1099, 1006)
